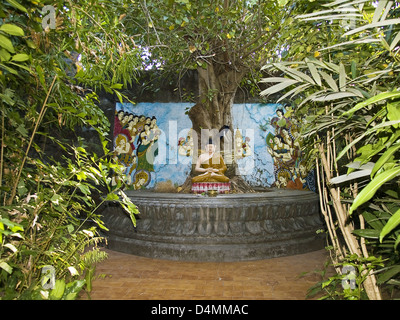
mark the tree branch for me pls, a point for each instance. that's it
(246, 54)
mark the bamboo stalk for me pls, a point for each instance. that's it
(325, 209)
(2, 146)
(39, 120)
(351, 241)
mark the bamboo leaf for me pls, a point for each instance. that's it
(374, 99)
(388, 274)
(354, 71)
(278, 87)
(334, 96)
(319, 13)
(344, 3)
(314, 73)
(119, 95)
(274, 79)
(387, 10)
(372, 25)
(17, 5)
(351, 42)
(384, 158)
(342, 77)
(343, 152)
(374, 221)
(295, 73)
(382, 125)
(395, 41)
(11, 247)
(393, 222)
(329, 80)
(379, 10)
(397, 242)
(350, 176)
(5, 266)
(367, 233)
(370, 189)
(356, 92)
(294, 92)
(393, 112)
(335, 17)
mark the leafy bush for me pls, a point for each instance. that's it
(51, 183)
(348, 92)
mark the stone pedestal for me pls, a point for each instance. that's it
(228, 227)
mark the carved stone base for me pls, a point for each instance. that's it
(229, 227)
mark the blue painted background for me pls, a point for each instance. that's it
(254, 121)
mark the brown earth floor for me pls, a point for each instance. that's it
(127, 277)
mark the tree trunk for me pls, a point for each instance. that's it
(211, 114)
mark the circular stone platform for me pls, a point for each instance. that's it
(231, 227)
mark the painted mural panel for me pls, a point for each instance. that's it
(146, 142)
(284, 143)
(154, 142)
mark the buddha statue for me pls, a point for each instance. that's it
(211, 166)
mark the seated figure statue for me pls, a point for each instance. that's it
(211, 167)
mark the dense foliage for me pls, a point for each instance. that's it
(51, 182)
(348, 91)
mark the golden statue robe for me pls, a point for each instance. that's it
(215, 162)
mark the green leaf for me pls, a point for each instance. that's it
(282, 3)
(119, 95)
(56, 198)
(20, 57)
(300, 76)
(329, 80)
(393, 222)
(314, 73)
(374, 99)
(343, 152)
(81, 176)
(6, 43)
(278, 87)
(58, 291)
(13, 226)
(342, 77)
(5, 266)
(12, 29)
(374, 221)
(393, 113)
(397, 242)
(42, 79)
(334, 96)
(354, 71)
(8, 69)
(11, 247)
(84, 189)
(17, 5)
(367, 233)
(4, 55)
(384, 158)
(373, 25)
(112, 197)
(72, 289)
(370, 189)
(389, 273)
(369, 131)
